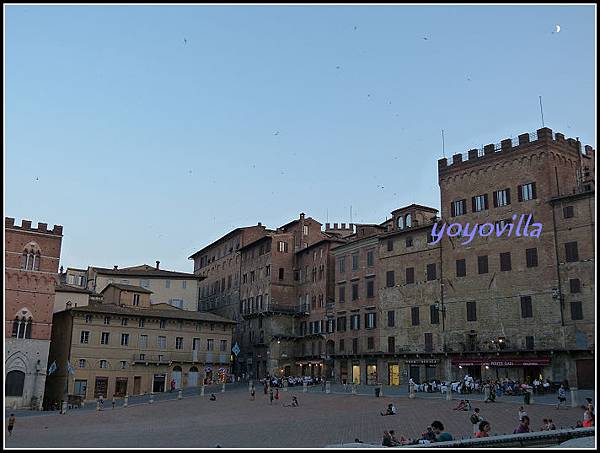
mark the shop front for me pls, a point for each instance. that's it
(371, 373)
(393, 374)
(356, 373)
(423, 370)
(516, 368)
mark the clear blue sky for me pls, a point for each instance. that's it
(147, 148)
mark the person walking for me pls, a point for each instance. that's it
(562, 396)
(114, 401)
(522, 413)
(476, 419)
(11, 423)
(277, 394)
(271, 395)
(252, 393)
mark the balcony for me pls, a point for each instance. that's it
(181, 357)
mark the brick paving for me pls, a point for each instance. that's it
(235, 421)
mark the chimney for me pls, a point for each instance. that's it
(115, 267)
(259, 224)
(157, 265)
(301, 216)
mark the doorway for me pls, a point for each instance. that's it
(158, 384)
(356, 374)
(586, 373)
(101, 387)
(394, 374)
(193, 377)
(415, 373)
(121, 387)
(137, 385)
(177, 376)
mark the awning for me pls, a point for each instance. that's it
(507, 362)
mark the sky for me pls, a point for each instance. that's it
(148, 132)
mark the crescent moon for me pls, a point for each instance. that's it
(557, 28)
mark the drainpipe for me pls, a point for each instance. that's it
(560, 293)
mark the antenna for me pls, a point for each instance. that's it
(443, 145)
(350, 213)
(542, 111)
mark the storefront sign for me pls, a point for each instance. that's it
(422, 362)
(540, 361)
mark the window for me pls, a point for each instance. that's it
(390, 245)
(501, 198)
(124, 321)
(458, 208)
(482, 264)
(355, 291)
(400, 222)
(505, 261)
(267, 273)
(341, 347)
(479, 203)
(370, 258)
(104, 338)
(576, 311)
(568, 212)
(408, 221)
(391, 318)
(223, 345)
(167, 283)
(136, 300)
(471, 311)
(123, 364)
(531, 257)
(370, 342)
(15, 381)
(124, 339)
(210, 344)
(390, 280)
(281, 273)
(428, 342)
(342, 264)
(283, 247)
(342, 294)
(414, 313)
(179, 343)
(461, 268)
(305, 230)
(143, 341)
(142, 356)
(161, 342)
(527, 192)
(529, 343)
(409, 242)
(392, 344)
(88, 319)
(162, 323)
(184, 284)
(355, 322)
(571, 252)
(434, 313)
(81, 363)
(31, 257)
(141, 322)
(431, 273)
(526, 307)
(410, 275)
(370, 320)
(575, 285)
(22, 327)
(80, 387)
(370, 289)
(106, 320)
(341, 324)
(330, 325)
(355, 346)
(103, 364)
(145, 283)
(355, 262)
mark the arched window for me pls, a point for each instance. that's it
(400, 223)
(14, 383)
(408, 221)
(22, 327)
(30, 259)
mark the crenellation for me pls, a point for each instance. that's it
(523, 139)
(473, 153)
(58, 229)
(9, 222)
(457, 158)
(545, 133)
(42, 227)
(489, 149)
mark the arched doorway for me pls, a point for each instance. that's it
(15, 381)
(193, 377)
(177, 376)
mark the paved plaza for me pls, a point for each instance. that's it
(235, 421)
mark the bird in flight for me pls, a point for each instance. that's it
(337, 67)
(184, 41)
(355, 27)
(276, 133)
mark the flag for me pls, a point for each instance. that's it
(52, 368)
(70, 368)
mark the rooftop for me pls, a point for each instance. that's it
(131, 288)
(173, 313)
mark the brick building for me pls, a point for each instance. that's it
(509, 306)
(31, 272)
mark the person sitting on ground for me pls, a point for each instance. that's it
(440, 434)
(428, 435)
(294, 403)
(522, 412)
(544, 426)
(395, 442)
(523, 426)
(588, 417)
(551, 425)
(387, 440)
(484, 429)
(213, 397)
(492, 396)
(461, 406)
(358, 441)
(391, 410)
(468, 405)
(578, 424)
